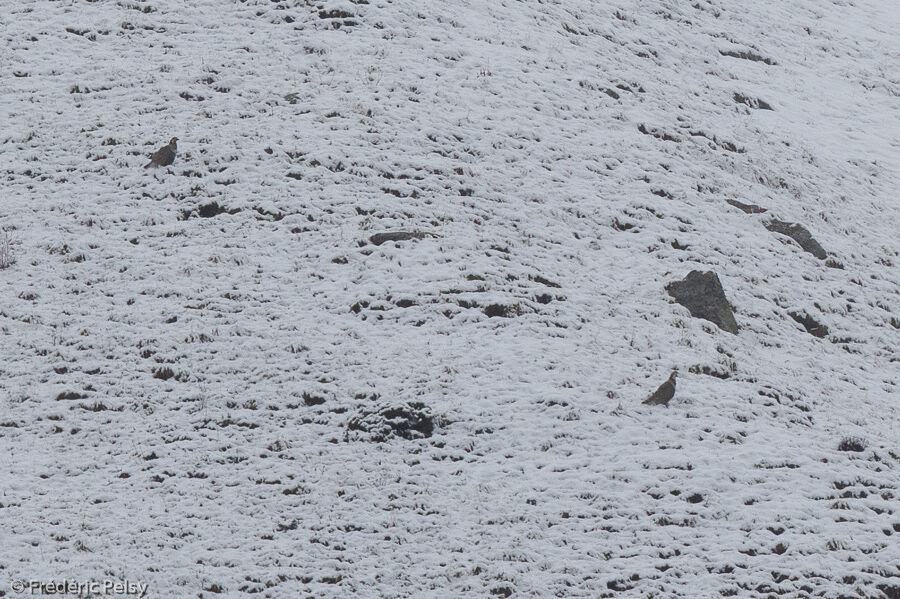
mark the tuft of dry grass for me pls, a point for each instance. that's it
(7, 256)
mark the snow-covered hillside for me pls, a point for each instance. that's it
(217, 379)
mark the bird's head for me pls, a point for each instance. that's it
(173, 140)
(673, 375)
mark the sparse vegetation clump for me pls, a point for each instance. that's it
(7, 255)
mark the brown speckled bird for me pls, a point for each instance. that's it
(165, 155)
(664, 394)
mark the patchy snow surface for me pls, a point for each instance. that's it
(198, 361)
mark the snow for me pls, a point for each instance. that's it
(510, 135)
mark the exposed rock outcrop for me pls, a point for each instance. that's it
(800, 234)
(702, 294)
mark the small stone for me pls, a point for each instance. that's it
(747, 208)
(380, 238)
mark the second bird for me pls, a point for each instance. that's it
(664, 394)
(165, 155)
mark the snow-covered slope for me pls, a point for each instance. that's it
(191, 357)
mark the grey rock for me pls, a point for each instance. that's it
(165, 155)
(380, 238)
(702, 294)
(748, 208)
(800, 234)
(665, 393)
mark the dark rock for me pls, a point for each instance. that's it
(380, 238)
(702, 294)
(748, 208)
(800, 234)
(814, 328)
(412, 420)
